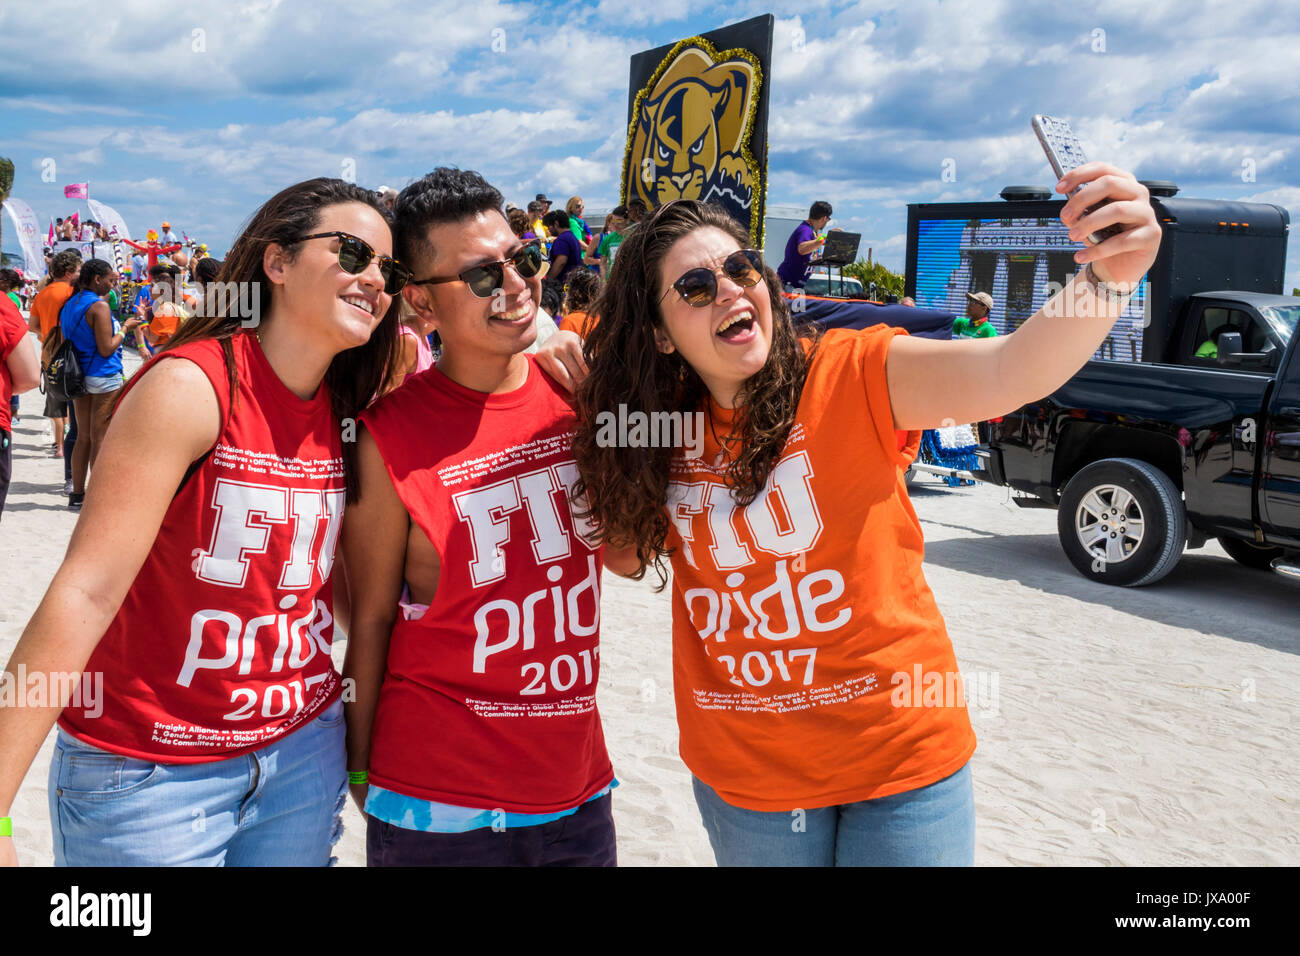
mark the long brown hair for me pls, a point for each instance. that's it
(354, 375)
(626, 489)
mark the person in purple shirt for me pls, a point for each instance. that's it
(566, 253)
(799, 247)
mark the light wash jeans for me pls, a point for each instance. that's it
(279, 805)
(931, 826)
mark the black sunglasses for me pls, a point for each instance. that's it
(484, 279)
(355, 254)
(699, 287)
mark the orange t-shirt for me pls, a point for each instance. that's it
(47, 303)
(806, 642)
(167, 318)
(579, 322)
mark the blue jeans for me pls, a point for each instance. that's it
(279, 805)
(931, 826)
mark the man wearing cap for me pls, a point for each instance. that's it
(975, 323)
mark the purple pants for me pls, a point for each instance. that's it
(584, 838)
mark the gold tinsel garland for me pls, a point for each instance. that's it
(760, 188)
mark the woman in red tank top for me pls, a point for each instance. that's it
(195, 601)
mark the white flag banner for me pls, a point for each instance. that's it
(29, 235)
(107, 217)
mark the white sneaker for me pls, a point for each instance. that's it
(67, 487)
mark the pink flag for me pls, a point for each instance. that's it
(76, 223)
(77, 191)
(51, 240)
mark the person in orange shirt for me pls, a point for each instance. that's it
(42, 317)
(580, 294)
(168, 309)
(818, 699)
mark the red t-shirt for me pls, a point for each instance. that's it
(222, 643)
(12, 332)
(489, 700)
(808, 651)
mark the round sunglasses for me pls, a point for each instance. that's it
(487, 277)
(699, 287)
(355, 254)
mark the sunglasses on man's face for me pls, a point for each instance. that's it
(699, 287)
(355, 254)
(487, 277)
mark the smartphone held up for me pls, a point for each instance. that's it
(1065, 152)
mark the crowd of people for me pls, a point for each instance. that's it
(474, 505)
(101, 313)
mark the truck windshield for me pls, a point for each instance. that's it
(1283, 319)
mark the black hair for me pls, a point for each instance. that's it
(557, 218)
(207, 269)
(820, 209)
(445, 195)
(91, 270)
(9, 279)
(163, 269)
(552, 296)
(581, 290)
(64, 262)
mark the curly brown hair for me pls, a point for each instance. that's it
(625, 490)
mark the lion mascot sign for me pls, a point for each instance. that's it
(692, 130)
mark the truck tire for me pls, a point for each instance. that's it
(1121, 521)
(1251, 555)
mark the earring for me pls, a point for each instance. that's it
(662, 342)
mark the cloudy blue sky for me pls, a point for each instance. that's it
(197, 112)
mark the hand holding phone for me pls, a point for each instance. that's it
(1065, 153)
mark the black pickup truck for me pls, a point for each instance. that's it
(1198, 439)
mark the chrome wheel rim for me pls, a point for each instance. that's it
(1109, 524)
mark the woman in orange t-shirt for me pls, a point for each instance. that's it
(818, 697)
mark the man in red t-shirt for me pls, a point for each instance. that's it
(19, 372)
(474, 643)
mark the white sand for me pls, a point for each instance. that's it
(1152, 726)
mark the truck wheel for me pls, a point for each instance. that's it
(1121, 521)
(1251, 555)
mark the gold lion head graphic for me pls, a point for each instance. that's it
(690, 130)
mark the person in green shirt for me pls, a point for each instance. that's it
(610, 239)
(10, 282)
(975, 323)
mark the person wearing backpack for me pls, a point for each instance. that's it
(87, 322)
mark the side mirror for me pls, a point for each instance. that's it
(1229, 343)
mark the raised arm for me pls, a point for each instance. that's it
(968, 380)
(375, 529)
(132, 485)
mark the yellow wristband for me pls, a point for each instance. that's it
(6, 826)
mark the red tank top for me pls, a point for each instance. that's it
(489, 700)
(222, 643)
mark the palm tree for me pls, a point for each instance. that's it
(6, 185)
